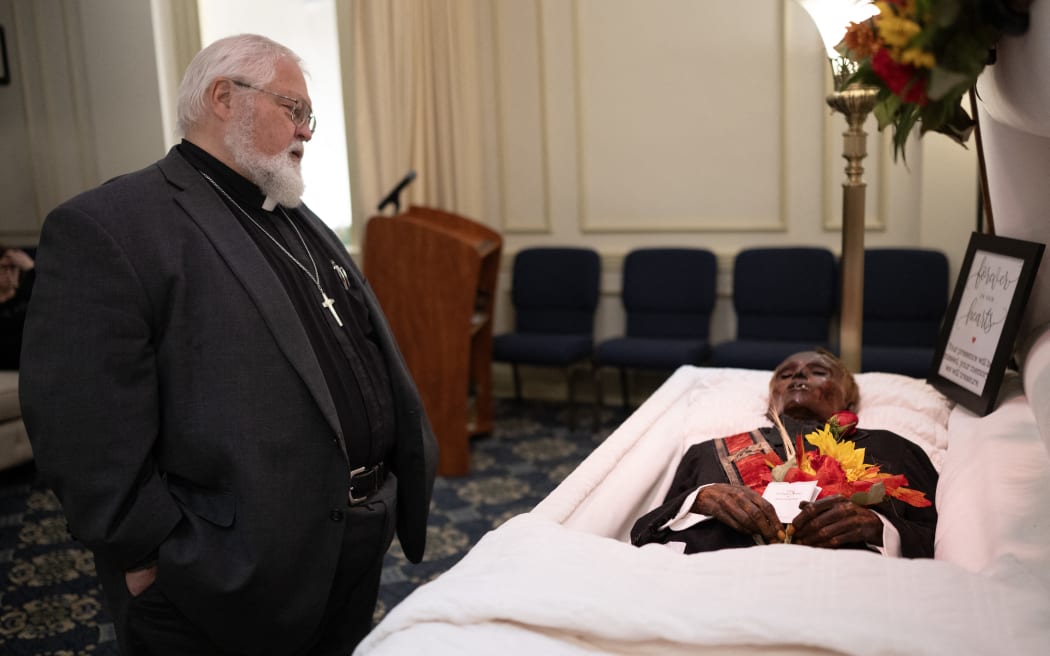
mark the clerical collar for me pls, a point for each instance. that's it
(246, 192)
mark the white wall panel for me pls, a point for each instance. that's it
(672, 135)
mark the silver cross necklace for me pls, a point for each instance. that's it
(326, 302)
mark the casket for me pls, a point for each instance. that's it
(563, 578)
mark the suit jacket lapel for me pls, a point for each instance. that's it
(204, 206)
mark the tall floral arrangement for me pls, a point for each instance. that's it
(923, 55)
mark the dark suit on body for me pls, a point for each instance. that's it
(176, 405)
(701, 466)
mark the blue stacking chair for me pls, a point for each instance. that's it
(784, 299)
(668, 295)
(905, 297)
(554, 292)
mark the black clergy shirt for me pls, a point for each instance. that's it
(349, 356)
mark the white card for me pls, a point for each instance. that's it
(785, 497)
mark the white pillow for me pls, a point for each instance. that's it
(727, 401)
(908, 406)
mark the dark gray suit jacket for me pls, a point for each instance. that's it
(174, 402)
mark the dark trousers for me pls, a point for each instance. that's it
(157, 628)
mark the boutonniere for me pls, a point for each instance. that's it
(842, 424)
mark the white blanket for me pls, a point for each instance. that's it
(536, 587)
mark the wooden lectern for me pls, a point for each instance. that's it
(435, 276)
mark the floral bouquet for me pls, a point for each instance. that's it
(923, 55)
(838, 467)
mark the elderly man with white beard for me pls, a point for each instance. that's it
(212, 391)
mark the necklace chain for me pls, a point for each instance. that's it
(315, 278)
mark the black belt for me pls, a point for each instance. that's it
(366, 481)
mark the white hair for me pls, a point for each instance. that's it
(249, 57)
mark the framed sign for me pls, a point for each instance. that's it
(977, 336)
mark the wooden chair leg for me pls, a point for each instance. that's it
(599, 393)
(599, 400)
(517, 381)
(572, 397)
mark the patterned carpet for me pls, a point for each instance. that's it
(51, 605)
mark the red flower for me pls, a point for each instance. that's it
(830, 476)
(796, 475)
(903, 80)
(843, 424)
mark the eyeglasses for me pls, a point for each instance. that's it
(300, 113)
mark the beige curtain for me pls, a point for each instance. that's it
(417, 102)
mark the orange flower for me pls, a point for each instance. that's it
(861, 40)
(895, 487)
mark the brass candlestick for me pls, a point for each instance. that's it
(855, 102)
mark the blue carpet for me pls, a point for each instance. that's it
(51, 605)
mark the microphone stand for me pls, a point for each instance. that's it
(394, 197)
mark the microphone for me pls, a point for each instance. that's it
(395, 193)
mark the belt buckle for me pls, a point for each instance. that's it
(350, 493)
